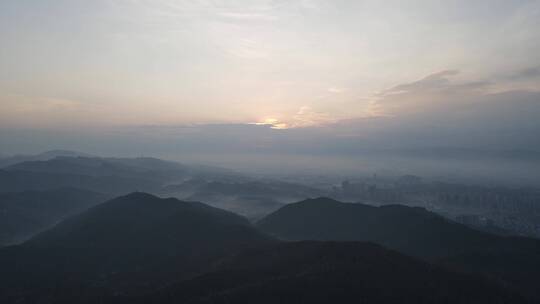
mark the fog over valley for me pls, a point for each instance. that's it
(269, 151)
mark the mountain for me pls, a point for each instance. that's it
(128, 245)
(248, 196)
(330, 272)
(96, 166)
(413, 231)
(140, 248)
(18, 181)
(11, 160)
(107, 175)
(23, 214)
(515, 267)
(141, 167)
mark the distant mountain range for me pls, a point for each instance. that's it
(11, 160)
(34, 197)
(65, 241)
(252, 197)
(107, 175)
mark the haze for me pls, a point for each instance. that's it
(283, 85)
(270, 151)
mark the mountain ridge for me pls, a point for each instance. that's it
(514, 261)
(127, 245)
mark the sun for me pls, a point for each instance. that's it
(273, 123)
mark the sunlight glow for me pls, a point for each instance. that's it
(273, 123)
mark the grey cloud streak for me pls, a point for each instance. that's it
(451, 130)
(434, 112)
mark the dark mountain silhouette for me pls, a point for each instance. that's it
(96, 166)
(131, 244)
(147, 167)
(11, 160)
(517, 268)
(107, 175)
(413, 231)
(23, 214)
(141, 248)
(330, 272)
(251, 197)
(17, 181)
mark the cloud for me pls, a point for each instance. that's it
(481, 134)
(434, 81)
(441, 81)
(273, 123)
(435, 113)
(439, 111)
(41, 111)
(305, 117)
(36, 105)
(247, 16)
(336, 90)
(435, 92)
(531, 73)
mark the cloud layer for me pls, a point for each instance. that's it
(127, 62)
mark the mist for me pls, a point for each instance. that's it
(434, 127)
(269, 151)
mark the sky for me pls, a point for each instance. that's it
(272, 76)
